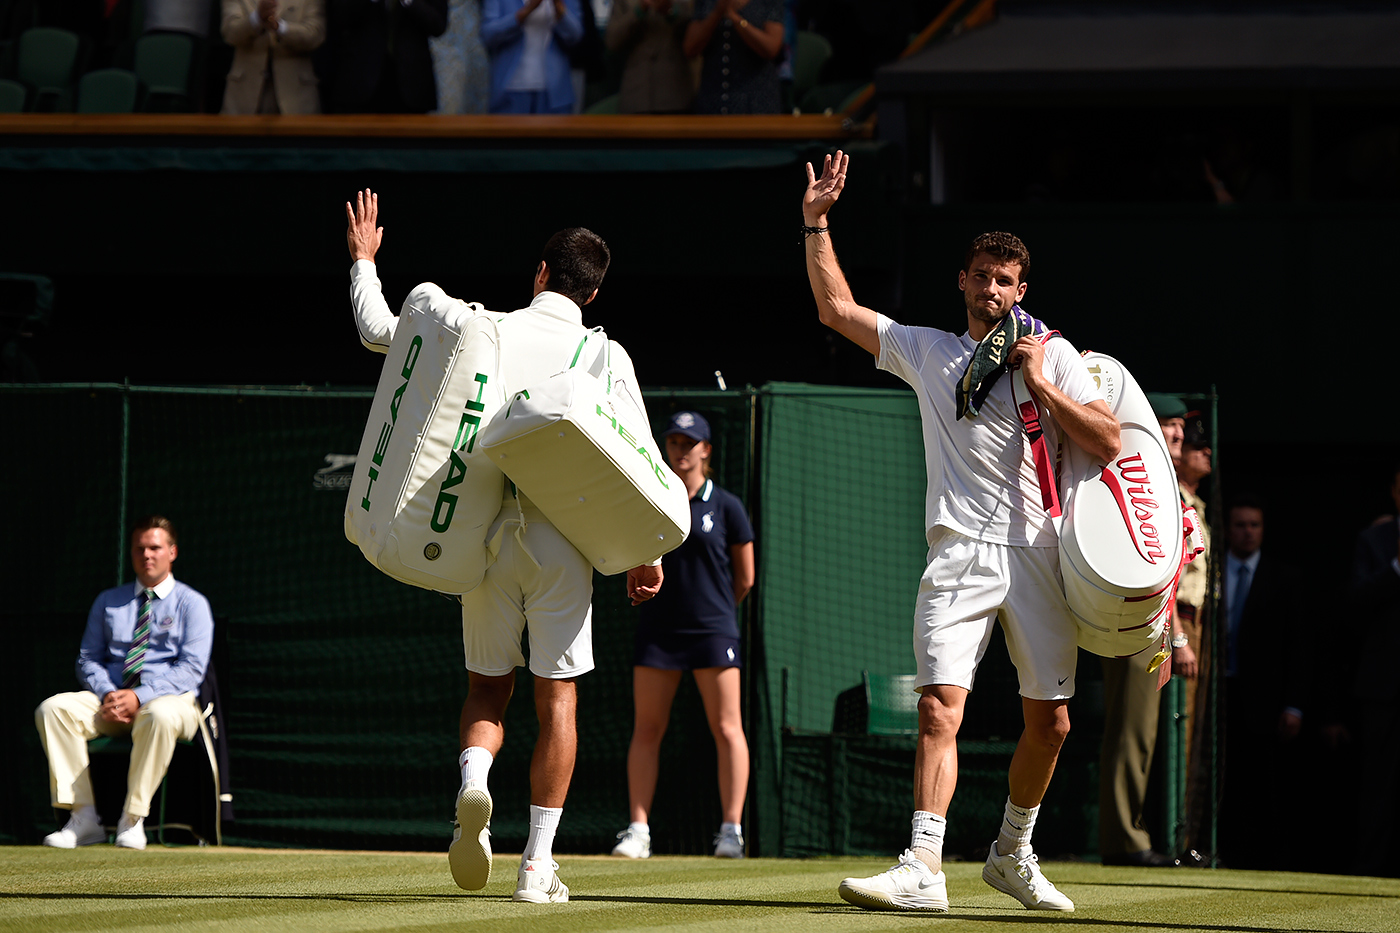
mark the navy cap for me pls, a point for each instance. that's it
(691, 424)
(1196, 434)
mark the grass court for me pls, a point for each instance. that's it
(101, 888)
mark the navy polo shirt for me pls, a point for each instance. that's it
(697, 592)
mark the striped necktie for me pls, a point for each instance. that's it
(136, 654)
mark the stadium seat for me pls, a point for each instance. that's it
(46, 61)
(163, 63)
(892, 704)
(810, 56)
(13, 96)
(108, 90)
(606, 105)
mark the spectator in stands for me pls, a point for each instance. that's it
(1131, 704)
(380, 54)
(1375, 591)
(459, 61)
(692, 625)
(272, 44)
(741, 41)
(528, 41)
(142, 659)
(656, 77)
(1268, 672)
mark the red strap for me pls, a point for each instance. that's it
(1044, 470)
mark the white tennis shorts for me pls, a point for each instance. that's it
(545, 587)
(971, 584)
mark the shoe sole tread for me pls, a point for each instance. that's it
(882, 900)
(469, 856)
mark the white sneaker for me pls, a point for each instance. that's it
(469, 855)
(632, 844)
(729, 844)
(131, 834)
(1022, 879)
(910, 885)
(537, 883)
(82, 829)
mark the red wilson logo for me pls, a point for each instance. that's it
(1137, 505)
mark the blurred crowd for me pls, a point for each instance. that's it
(440, 56)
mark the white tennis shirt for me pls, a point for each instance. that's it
(981, 473)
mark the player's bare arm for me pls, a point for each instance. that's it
(836, 306)
(363, 236)
(1091, 426)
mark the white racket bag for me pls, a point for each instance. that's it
(585, 456)
(1124, 536)
(423, 495)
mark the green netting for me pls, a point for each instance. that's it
(342, 687)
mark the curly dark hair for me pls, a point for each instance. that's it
(1001, 246)
(577, 259)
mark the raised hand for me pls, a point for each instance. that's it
(823, 192)
(363, 236)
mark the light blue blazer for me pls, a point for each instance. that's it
(505, 41)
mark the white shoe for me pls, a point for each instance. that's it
(469, 855)
(82, 829)
(131, 834)
(537, 883)
(1022, 879)
(910, 885)
(632, 844)
(729, 844)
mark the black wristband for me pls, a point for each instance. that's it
(808, 231)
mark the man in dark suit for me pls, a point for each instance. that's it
(1267, 674)
(1375, 592)
(381, 59)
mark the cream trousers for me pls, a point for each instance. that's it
(67, 721)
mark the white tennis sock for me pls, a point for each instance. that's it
(640, 829)
(1016, 829)
(544, 821)
(475, 763)
(927, 841)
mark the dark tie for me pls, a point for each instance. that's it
(1241, 593)
(136, 654)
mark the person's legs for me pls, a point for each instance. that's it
(653, 691)
(66, 722)
(1037, 751)
(157, 726)
(719, 690)
(1131, 702)
(552, 767)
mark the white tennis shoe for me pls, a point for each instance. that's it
(131, 834)
(469, 855)
(632, 844)
(538, 883)
(82, 829)
(729, 844)
(1023, 880)
(910, 885)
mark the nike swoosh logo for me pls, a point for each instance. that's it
(922, 885)
(1062, 680)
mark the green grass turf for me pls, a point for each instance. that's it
(105, 889)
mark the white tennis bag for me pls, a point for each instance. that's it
(423, 495)
(1124, 536)
(585, 456)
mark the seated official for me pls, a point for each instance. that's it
(142, 660)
